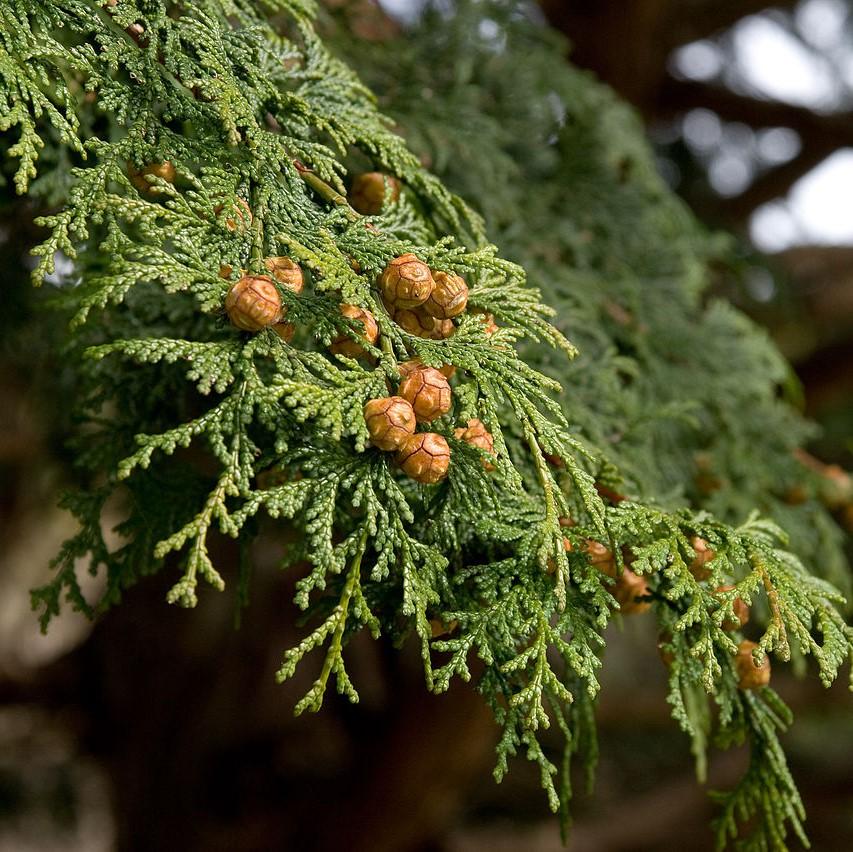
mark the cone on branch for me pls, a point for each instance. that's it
(488, 320)
(476, 434)
(253, 303)
(406, 367)
(629, 590)
(370, 192)
(449, 297)
(703, 554)
(390, 422)
(749, 675)
(164, 170)
(406, 282)
(425, 457)
(285, 330)
(428, 391)
(287, 272)
(344, 344)
(740, 609)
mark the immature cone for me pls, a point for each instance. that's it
(345, 345)
(406, 282)
(368, 192)
(741, 611)
(702, 556)
(446, 370)
(751, 676)
(287, 272)
(164, 170)
(428, 392)
(390, 422)
(476, 434)
(424, 457)
(253, 303)
(449, 297)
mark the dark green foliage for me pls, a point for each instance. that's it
(193, 427)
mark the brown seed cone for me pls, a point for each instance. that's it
(703, 555)
(285, 330)
(225, 270)
(488, 320)
(136, 32)
(599, 555)
(415, 321)
(446, 370)
(627, 588)
(443, 329)
(449, 297)
(749, 675)
(568, 522)
(164, 170)
(253, 303)
(390, 422)
(741, 611)
(425, 457)
(428, 392)
(406, 282)
(345, 345)
(476, 434)
(369, 190)
(287, 272)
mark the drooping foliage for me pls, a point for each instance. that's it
(193, 426)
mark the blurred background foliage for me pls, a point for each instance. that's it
(748, 107)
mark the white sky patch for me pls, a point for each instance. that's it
(774, 63)
(407, 11)
(822, 22)
(818, 210)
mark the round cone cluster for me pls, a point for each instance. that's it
(253, 303)
(370, 191)
(345, 345)
(422, 301)
(164, 170)
(390, 422)
(428, 391)
(749, 675)
(425, 457)
(477, 435)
